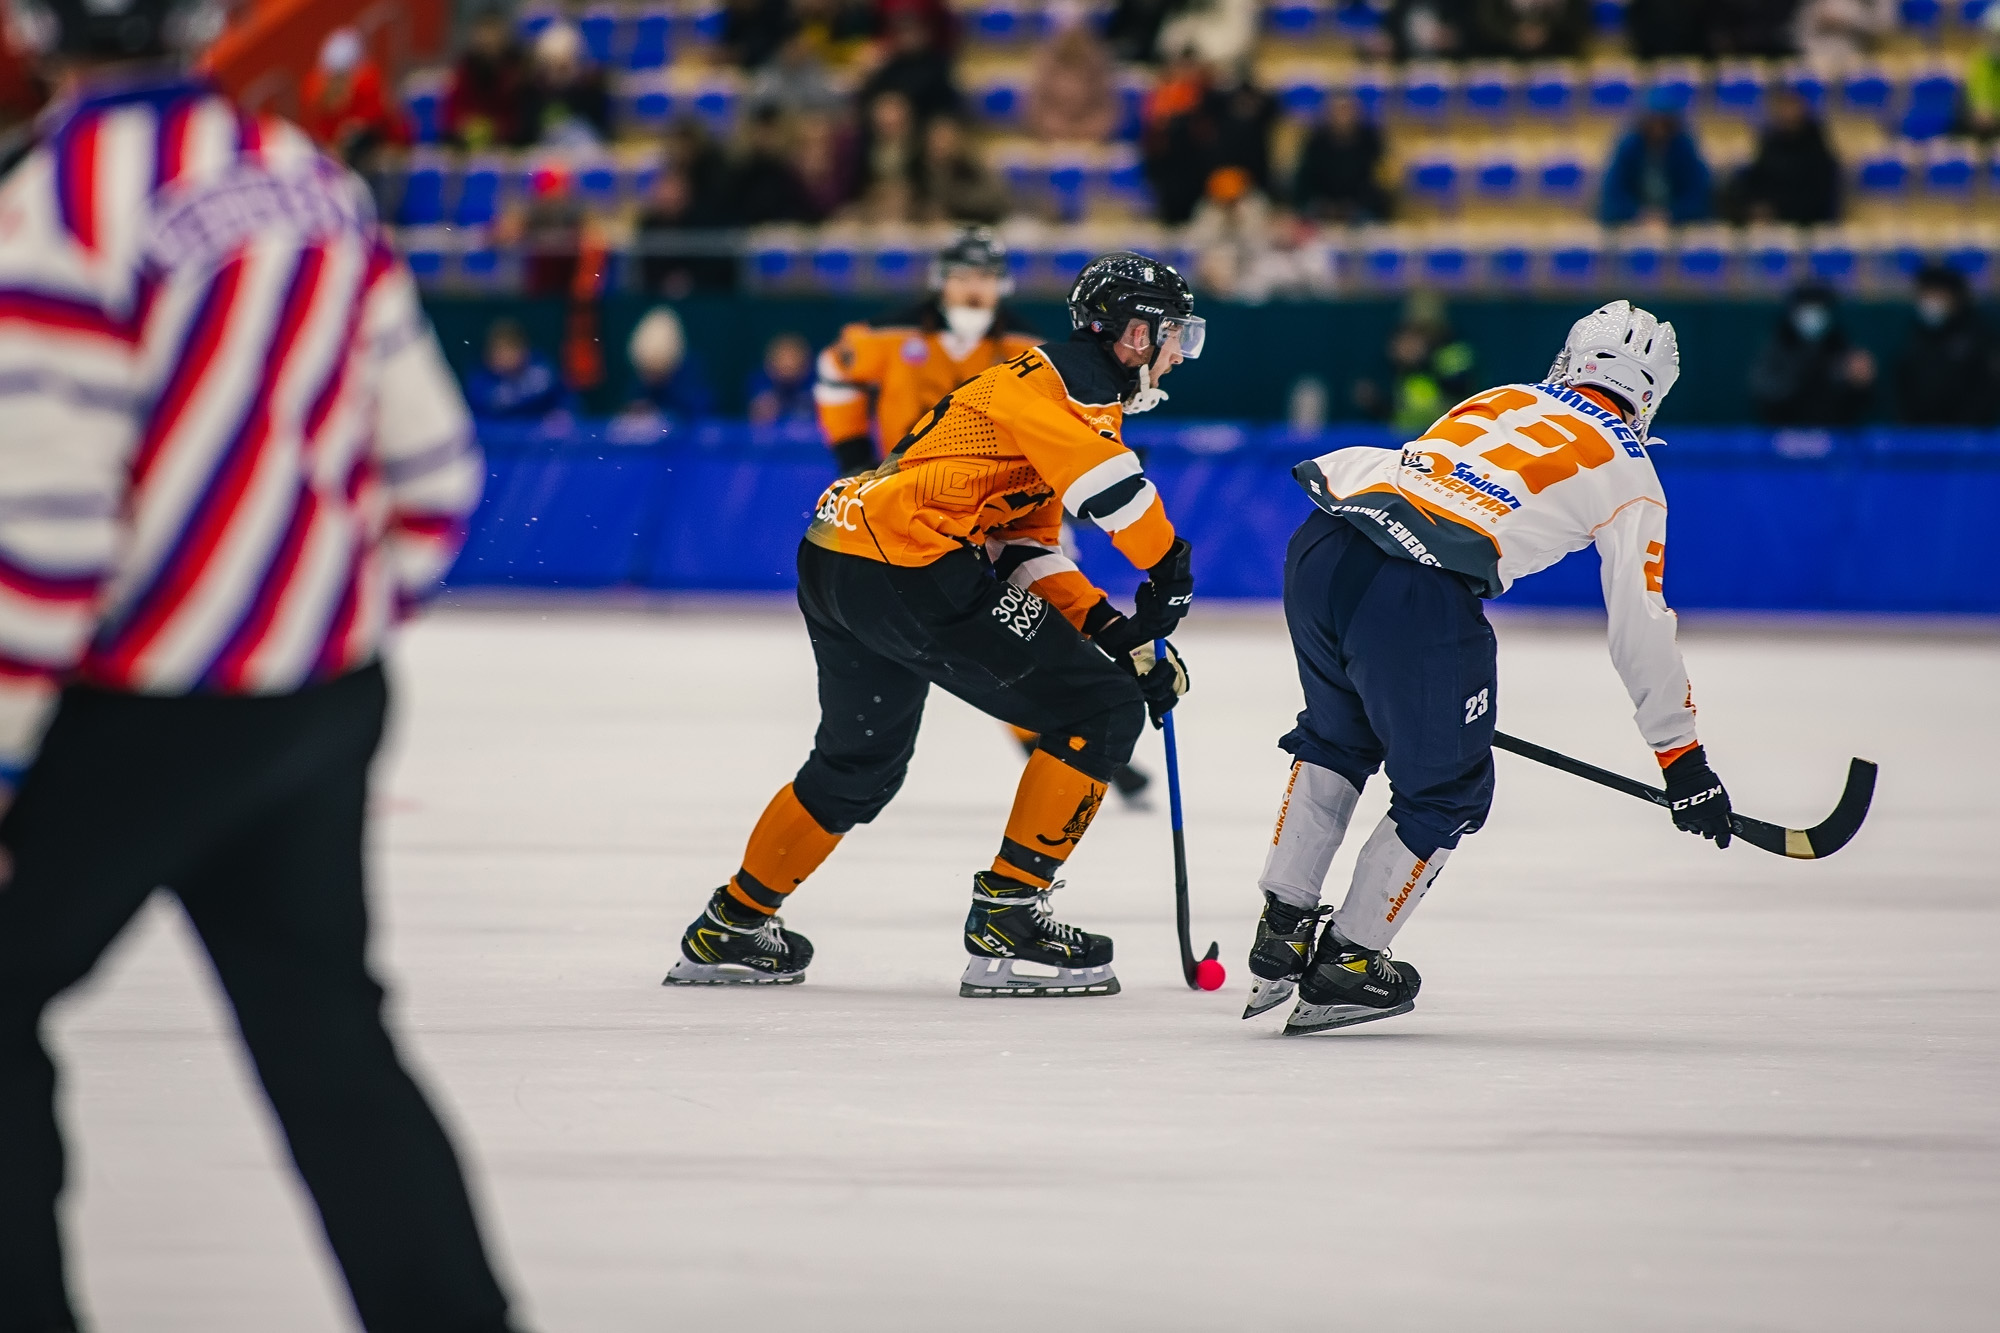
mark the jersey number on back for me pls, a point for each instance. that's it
(1573, 443)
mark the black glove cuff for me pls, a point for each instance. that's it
(1685, 766)
(1176, 566)
(1098, 617)
(856, 453)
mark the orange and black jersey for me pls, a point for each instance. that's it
(895, 369)
(996, 463)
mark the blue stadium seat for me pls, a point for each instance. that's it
(1510, 264)
(1000, 102)
(481, 266)
(1810, 85)
(1302, 96)
(1771, 261)
(835, 265)
(1432, 176)
(1899, 260)
(653, 106)
(1293, 20)
(1884, 172)
(1067, 262)
(1867, 91)
(1357, 18)
(599, 29)
(1921, 13)
(1563, 176)
(1125, 175)
(426, 263)
(1576, 263)
(1607, 15)
(422, 204)
(995, 22)
(1613, 90)
(1641, 259)
(1489, 90)
(652, 41)
(1970, 12)
(1933, 104)
(530, 23)
(478, 195)
(716, 104)
(1703, 261)
(773, 264)
(1131, 110)
(1385, 261)
(1950, 168)
(426, 107)
(705, 24)
(1020, 265)
(1497, 176)
(638, 178)
(597, 184)
(1739, 90)
(898, 266)
(1974, 261)
(1445, 264)
(1426, 90)
(1066, 181)
(1554, 89)
(1370, 87)
(1833, 260)
(1677, 84)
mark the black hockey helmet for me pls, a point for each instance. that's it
(1117, 288)
(974, 248)
(117, 29)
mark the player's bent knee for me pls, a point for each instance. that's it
(1100, 743)
(840, 796)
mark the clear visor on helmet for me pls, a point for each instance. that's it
(1192, 332)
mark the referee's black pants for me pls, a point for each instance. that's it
(250, 810)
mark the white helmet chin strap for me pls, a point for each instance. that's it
(1148, 395)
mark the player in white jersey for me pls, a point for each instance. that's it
(1382, 595)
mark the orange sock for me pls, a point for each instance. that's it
(1053, 807)
(787, 845)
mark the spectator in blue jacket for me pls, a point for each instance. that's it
(670, 383)
(1657, 171)
(514, 384)
(782, 388)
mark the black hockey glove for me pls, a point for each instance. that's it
(1168, 591)
(854, 455)
(1697, 798)
(1162, 680)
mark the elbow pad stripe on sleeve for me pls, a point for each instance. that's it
(1123, 505)
(1086, 488)
(832, 395)
(1030, 572)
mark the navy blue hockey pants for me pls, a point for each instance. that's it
(1397, 662)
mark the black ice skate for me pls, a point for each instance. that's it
(1281, 953)
(1348, 984)
(730, 945)
(1018, 949)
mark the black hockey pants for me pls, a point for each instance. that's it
(1398, 666)
(250, 810)
(884, 634)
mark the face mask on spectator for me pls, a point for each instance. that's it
(1934, 308)
(1812, 322)
(968, 321)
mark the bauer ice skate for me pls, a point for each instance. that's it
(1281, 953)
(1348, 984)
(730, 945)
(1019, 949)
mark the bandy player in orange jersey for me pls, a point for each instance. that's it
(1382, 594)
(944, 566)
(895, 368)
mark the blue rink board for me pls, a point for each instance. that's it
(1868, 520)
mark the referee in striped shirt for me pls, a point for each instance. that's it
(233, 457)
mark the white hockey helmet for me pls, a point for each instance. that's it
(1623, 349)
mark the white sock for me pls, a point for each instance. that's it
(1312, 821)
(1389, 882)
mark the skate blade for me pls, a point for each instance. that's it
(996, 978)
(1268, 995)
(1308, 1018)
(687, 972)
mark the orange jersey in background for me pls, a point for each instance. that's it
(899, 368)
(996, 463)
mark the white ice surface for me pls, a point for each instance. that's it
(1649, 1085)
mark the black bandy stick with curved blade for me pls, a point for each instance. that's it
(1822, 839)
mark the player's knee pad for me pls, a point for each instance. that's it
(1440, 817)
(840, 794)
(1099, 743)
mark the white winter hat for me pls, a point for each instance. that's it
(341, 51)
(659, 343)
(559, 44)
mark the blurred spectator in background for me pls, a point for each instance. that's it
(483, 96)
(1426, 30)
(764, 185)
(566, 103)
(1667, 28)
(1753, 27)
(754, 30)
(1072, 96)
(781, 390)
(1222, 33)
(885, 188)
(1246, 250)
(1979, 100)
(668, 381)
(1657, 172)
(1133, 28)
(796, 80)
(821, 154)
(1833, 32)
(678, 241)
(1794, 177)
(1949, 370)
(952, 181)
(691, 147)
(1229, 126)
(1428, 370)
(513, 383)
(547, 228)
(837, 31)
(1531, 29)
(342, 106)
(914, 67)
(1338, 178)
(1808, 373)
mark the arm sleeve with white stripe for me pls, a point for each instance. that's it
(1632, 548)
(423, 439)
(1028, 553)
(68, 400)
(1095, 476)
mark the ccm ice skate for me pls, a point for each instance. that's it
(1348, 984)
(1281, 953)
(730, 945)
(1019, 949)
